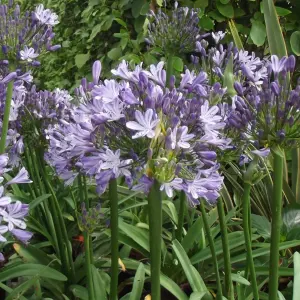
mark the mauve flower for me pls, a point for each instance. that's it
(14, 215)
(2, 258)
(145, 124)
(28, 54)
(4, 200)
(46, 16)
(22, 235)
(21, 177)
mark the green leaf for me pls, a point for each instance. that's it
(197, 295)
(282, 11)
(240, 279)
(79, 292)
(10, 290)
(274, 33)
(139, 235)
(201, 4)
(166, 282)
(262, 251)
(31, 254)
(235, 239)
(262, 225)
(136, 7)
(229, 77)
(138, 283)
(226, 9)
(159, 2)
(206, 23)
(295, 42)
(31, 270)
(235, 35)
(224, 1)
(193, 277)
(115, 53)
(95, 31)
(99, 284)
(258, 33)
(280, 296)
(177, 64)
(192, 236)
(38, 200)
(81, 59)
(22, 288)
(296, 286)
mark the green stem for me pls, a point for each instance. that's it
(113, 197)
(295, 173)
(61, 229)
(155, 230)
(276, 224)
(9, 92)
(250, 262)
(182, 200)
(88, 266)
(169, 69)
(226, 252)
(212, 250)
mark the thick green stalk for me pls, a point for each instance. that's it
(9, 92)
(212, 250)
(226, 252)
(113, 197)
(169, 69)
(295, 173)
(155, 229)
(250, 262)
(88, 270)
(182, 200)
(276, 225)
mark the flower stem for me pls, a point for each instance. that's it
(182, 200)
(113, 196)
(9, 92)
(169, 69)
(227, 264)
(276, 224)
(246, 209)
(212, 250)
(88, 266)
(155, 229)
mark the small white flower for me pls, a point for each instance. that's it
(46, 16)
(180, 137)
(218, 36)
(144, 125)
(28, 54)
(111, 160)
(169, 187)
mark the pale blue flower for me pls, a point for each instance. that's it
(169, 187)
(28, 54)
(145, 124)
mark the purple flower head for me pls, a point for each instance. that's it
(176, 33)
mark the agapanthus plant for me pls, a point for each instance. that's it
(139, 129)
(12, 213)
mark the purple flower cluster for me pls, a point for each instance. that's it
(269, 114)
(12, 214)
(247, 68)
(140, 129)
(23, 37)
